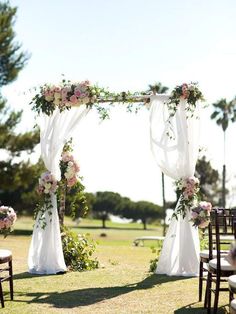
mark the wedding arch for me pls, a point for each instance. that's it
(174, 132)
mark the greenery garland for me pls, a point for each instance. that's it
(67, 95)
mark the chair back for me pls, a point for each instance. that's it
(221, 232)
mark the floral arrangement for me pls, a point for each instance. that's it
(47, 183)
(70, 168)
(68, 95)
(200, 215)
(7, 219)
(188, 92)
(189, 189)
(47, 186)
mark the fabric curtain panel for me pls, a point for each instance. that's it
(45, 253)
(175, 146)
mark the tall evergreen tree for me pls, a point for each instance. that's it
(18, 177)
(12, 60)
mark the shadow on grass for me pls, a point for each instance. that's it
(114, 228)
(22, 232)
(89, 296)
(189, 309)
(27, 275)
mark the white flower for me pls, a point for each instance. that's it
(49, 98)
(47, 186)
(57, 95)
(57, 101)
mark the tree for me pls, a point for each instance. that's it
(157, 88)
(224, 113)
(105, 203)
(18, 178)
(209, 181)
(142, 210)
(12, 60)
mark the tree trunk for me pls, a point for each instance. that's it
(224, 174)
(223, 186)
(144, 224)
(104, 223)
(62, 207)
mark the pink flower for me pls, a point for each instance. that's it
(77, 93)
(66, 157)
(204, 224)
(185, 91)
(205, 205)
(73, 99)
(72, 181)
(194, 215)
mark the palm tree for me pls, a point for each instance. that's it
(158, 88)
(224, 113)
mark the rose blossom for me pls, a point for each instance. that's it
(206, 205)
(73, 99)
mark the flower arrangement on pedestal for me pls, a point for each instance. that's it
(189, 189)
(200, 215)
(7, 219)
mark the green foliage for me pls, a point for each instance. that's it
(157, 88)
(142, 210)
(11, 60)
(209, 178)
(224, 113)
(18, 178)
(76, 201)
(78, 250)
(154, 261)
(17, 185)
(203, 240)
(105, 203)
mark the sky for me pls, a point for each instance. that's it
(126, 45)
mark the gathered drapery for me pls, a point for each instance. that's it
(175, 146)
(45, 253)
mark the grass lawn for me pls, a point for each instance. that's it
(122, 284)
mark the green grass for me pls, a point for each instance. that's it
(122, 284)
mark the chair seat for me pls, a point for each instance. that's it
(233, 304)
(205, 253)
(5, 256)
(229, 237)
(232, 281)
(225, 265)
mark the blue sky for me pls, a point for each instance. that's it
(126, 45)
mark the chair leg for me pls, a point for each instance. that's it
(11, 279)
(208, 299)
(200, 280)
(1, 295)
(231, 296)
(216, 295)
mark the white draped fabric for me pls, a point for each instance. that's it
(177, 158)
(45, 253)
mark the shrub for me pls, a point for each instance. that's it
(153, 262)
(78, 250)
